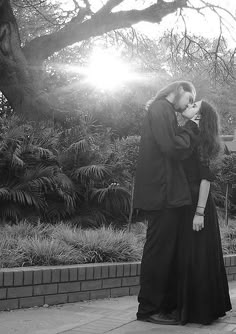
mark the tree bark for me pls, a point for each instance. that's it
(17, 81)
(20, 66)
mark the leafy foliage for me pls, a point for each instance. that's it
(64, 244)
(52, 175)
(225, 170)
(26, 244)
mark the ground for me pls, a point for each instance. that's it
(113, 316)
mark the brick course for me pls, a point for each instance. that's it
(36, 286)
(45, 289)
(8, 278)
(18, 278)
(28, 278)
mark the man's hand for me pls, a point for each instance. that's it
(198, 223)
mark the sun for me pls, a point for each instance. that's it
(107, 71)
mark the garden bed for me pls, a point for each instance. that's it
(46, 264)
(26, 245)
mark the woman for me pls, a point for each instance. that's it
(203, 294)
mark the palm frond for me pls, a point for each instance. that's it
(10, 211)
(92, 217)
(63, 181)
(42, 152)
(69, 199)
(43, 183)
(4, 146)
(113, 198)
(40, 171)
(23, 198)
(14, 134)
(93, 172)
(4, 193)
(48, 138)
(16, 161)
(79, 146)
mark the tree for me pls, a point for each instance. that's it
(21, 65)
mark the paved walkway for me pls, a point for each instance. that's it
(113, 316)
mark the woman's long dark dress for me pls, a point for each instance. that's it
(203, 294)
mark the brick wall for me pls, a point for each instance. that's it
(36, 286)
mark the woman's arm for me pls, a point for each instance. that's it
(203, 195)
(198, 220)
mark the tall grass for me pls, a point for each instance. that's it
(28, 245)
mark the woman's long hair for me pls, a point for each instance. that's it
(173, 88)
(209, 126)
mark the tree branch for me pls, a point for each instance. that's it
(107, 8)
(75, 31)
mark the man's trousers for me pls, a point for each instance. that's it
(158, 280)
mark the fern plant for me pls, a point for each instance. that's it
(62, 174)
(87, 163)
(30, 175)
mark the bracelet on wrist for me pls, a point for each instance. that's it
(199, 214)
(202, 207)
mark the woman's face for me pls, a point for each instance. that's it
(192, 111)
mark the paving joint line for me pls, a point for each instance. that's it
(129, 322)
(76, 326)
(95, 321)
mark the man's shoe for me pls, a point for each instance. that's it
(161, 319)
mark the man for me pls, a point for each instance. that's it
(161, 192)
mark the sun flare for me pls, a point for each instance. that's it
(107, 71)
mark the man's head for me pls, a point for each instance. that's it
(180, 93)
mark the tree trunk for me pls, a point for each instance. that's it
(19, 83)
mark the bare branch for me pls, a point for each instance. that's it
(77, 30)
(107, 8)
(214, 7)
(39, 12)
(215, 58)
(41, 2)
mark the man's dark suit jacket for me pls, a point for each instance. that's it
(160, 180)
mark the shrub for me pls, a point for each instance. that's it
(101, 245)
(10, 253)
(28, 245)
(59, 175)
(45, 252)
(43, 244)
(23, 230)
(225, 170)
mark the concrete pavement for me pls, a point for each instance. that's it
(113, 316)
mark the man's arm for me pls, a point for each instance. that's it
(176, 144)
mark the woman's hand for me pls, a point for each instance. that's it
(198, 223)
(196, 119)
